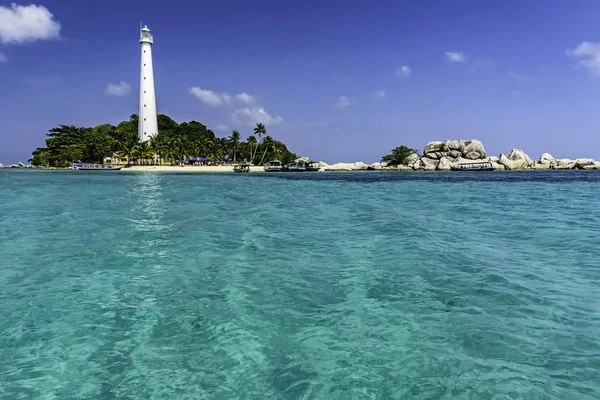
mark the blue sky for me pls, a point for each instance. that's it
(337, 80)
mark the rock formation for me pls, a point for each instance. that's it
(440, 155)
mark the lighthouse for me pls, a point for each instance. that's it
(148, 124)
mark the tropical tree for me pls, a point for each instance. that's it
(268, 145)
(130, 147)
(173, 142)
(251, 142)
(399, 155)
(119, 140)
(235, 140)
(158, 144)
(144, 151)
(259, 130)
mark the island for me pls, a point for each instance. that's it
(191, 143)
(441, 155)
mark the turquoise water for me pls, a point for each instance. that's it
(318, 286)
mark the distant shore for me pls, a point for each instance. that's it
(260, 169)
(187, 168)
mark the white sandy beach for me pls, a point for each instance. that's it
(188, 168)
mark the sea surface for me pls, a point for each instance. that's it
(117, 285)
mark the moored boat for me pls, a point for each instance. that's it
(241, 168)
(273, 166)
(302, 166)
(473, 166)
(94, 167)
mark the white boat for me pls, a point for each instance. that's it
(302, 166)
(94, 167)
(473, 166)
(242, 168)
(273, 166)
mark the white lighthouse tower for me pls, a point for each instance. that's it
(148, 124)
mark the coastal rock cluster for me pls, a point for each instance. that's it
(440, 155)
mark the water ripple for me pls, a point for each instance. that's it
(317, 286)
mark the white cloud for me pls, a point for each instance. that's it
(403, 72)
(250, 115)
(517, 93)
(121, 89)
(215, 99)
(245, 98)
(209, 97)
(379, 94)
(21, 24)
(342, 102)
(254, 115)
(455, 57)
(589, 55)
(221, 128)
(3, 58)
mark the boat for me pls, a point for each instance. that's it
(94, 167)
(473, 166)
(301, 166)
(241, 168)
(273, 166)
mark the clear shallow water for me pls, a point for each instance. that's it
(320, 286)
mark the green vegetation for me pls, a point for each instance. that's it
(173, 143)
(399, 156)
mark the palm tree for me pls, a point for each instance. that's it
(158, 144)
(268, 142)
(235, 140)
(144, 151)
(118, 142)
(259, 130)
(129, 148)
(251, 141)
(175, 149)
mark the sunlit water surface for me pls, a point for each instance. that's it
(307, 286)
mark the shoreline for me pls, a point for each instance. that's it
(259, 169)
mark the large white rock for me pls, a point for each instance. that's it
(519, 159)
(583, 162)
(547, 158)
(429, 164)
(454, 145)
(565, 163)
(413, 158)
(541, 165)
(359, 166)
(340, 167)
(417, 164)
(443, 164)
(434, 148)
(473, 149)
(452, 149)
(375, 165)
(503, 160)
(497, 166)
(453, 154)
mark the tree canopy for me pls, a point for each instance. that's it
(399, 155)
(173, 143)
